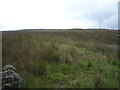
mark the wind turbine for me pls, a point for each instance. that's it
(99, 24)
(86, 25)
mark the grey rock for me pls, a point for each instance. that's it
(8, 67)
(10, 79)
(7, 85)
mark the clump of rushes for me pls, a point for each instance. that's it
(36, 68)
(98, 80)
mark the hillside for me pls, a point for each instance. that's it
(63, 58)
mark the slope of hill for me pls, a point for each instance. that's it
(63, 58)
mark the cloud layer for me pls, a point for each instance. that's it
(21, 14)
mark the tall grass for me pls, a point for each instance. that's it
(68, 58)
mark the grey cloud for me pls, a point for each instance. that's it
(94, 10)
(112, 22)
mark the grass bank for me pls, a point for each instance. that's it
(63, 59)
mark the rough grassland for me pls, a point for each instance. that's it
(63, 58)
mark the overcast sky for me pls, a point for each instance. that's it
(23, 14)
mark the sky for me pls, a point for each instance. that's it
(58, 14)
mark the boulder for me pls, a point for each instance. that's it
(10, 79)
